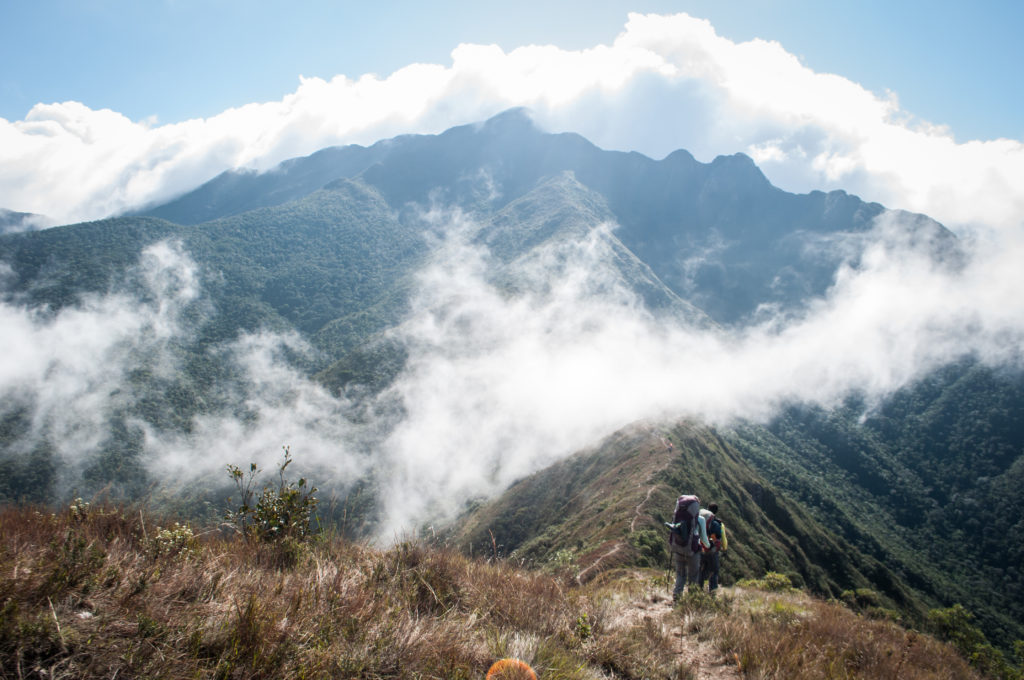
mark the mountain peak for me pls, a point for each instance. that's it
(740, 170)
(518, 119)
(737, 162)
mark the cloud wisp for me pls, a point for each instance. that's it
(666, 82)
(500, 385)
(501, 380)
(73, 376)
(68, 372)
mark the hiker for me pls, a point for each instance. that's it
(711, 558)
(687, 538)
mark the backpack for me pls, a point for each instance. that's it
(713, 527)
(687, 534)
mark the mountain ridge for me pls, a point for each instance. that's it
(607, 504)
(707, 246)
(727, 209)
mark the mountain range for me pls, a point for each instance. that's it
(913, 497)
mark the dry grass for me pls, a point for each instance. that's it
(90, 594)
(793, 636)
(100, 593)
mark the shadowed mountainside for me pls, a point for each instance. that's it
(718, 234)
(910, 500)
(604, 508)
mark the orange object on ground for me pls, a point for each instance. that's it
(511, 669)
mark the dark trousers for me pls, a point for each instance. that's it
(709, 563)
(687, 571)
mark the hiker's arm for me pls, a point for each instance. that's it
(702, 523)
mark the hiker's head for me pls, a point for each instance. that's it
(713, 507)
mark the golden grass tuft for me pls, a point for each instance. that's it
(791, 635)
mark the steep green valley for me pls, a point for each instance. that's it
(447, 329)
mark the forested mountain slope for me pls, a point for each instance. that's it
(914, 496)
(718, 234)
(914, 500)
(605, 507)
(926, 483)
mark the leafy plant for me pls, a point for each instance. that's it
(772, 581)
(954, 624)
(696, 601)
(276, 513)
(583, 628)
(175, 541)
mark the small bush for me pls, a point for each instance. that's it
(76, 562)
(772, 582)
(583, 628)
(276, 514)
(695, 601)
(954, 625)
(860, 599)
(650, 547)
(175, 541)
(78, 510)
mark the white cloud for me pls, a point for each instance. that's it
(273, 405)
(666, 82)
(69, 375)
(69, 369)
(501, 385)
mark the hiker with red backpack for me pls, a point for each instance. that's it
(687, 539)
(711, 558)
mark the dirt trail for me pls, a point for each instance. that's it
(637, 514)
(706, 662)
(615, 549)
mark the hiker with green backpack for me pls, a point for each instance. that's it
(687, 539)
(711, 558)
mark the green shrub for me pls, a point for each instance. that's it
(772, 581)
(583, 628)
(650, 545)
(276, 514)
(954, 624)
(860, 599)
(701, 601)
(176, 541)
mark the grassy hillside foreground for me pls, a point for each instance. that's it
(106, 592)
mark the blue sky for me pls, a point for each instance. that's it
(950, 63)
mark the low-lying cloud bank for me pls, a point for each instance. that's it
(498, 387)
(69, 371)
(72, 376)
(666, 82)
(497, 384)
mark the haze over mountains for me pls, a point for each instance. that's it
(429, 319)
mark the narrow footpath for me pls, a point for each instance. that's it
(706, 662)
